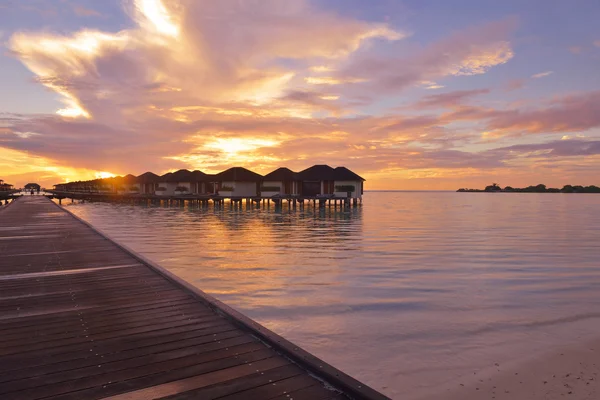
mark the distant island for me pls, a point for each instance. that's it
(495, 188)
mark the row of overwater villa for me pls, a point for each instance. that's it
(318, 181)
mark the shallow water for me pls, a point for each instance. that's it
(410, 293)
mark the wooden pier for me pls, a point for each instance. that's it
(204, 200)
(82, 317)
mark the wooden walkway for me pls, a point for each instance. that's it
(83, 318)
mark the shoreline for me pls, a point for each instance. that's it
(567, 371)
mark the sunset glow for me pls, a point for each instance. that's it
(406, 98)
(238, 145)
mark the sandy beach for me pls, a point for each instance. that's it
(570, 372)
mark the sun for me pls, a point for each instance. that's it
(103, 175)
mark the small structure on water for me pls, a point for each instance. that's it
(238, 182)
(126, 184)
(323, 180)
(347, 183)
(184, 182)
(175, 183)
(5, 187)
(147, 182)
(283, 181)
(33, 186)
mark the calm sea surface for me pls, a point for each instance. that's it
(412, 293)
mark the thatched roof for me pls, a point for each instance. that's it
(238, 174)
(281, 174)
(148, 177)
(317, 173)
(344, 174)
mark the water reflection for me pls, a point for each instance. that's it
(405, 292)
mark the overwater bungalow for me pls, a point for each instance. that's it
(184, 182)
(317, 180)
(323, 180)
(347, 183)
(61, 187)
(33, 186)
(147, 182)
(282, 181)
(202, 183)
(238, 182)
(118, 184)
(176, 183)
(4, 187)
(163, 186)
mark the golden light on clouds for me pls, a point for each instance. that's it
(154, 15)
(328, 80)
(20, 167)
(103, 175)
(321, 68)
(233, 146)
(74, 56)
(485, 58)
(266, 89)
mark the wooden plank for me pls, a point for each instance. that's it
(278, 388)
(240, 384)
(151, 374)
(131, 367)
(314, 392)
(200, 381)
(205, 343)
(81, 352)
(12, 348)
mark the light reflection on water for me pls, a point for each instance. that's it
(405, 293)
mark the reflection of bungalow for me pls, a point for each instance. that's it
(323, 180)
(238, 182)
(282, 181)
(148, 182)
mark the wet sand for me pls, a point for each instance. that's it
(571, 372)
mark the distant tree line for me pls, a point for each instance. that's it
(494, 187)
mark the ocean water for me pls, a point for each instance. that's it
(412, 293)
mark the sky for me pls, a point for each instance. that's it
(410, 94)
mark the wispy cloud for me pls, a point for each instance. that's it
(473, 51)
(515, 84)
(576, 49)
(542, 74)
(449, 99)
(82, 11)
